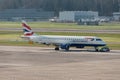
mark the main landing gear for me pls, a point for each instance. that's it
(66, 48)
(57, 48)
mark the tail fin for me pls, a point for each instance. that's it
(26, 29)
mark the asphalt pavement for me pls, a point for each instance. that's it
(43, 63)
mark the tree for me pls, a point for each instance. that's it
(104, 7)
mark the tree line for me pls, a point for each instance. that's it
(104, 7)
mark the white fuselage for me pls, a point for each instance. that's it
(57, 40)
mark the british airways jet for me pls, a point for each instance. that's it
(63, 42)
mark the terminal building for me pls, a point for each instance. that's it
(28, 14)
(74, 16)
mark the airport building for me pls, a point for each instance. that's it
(116, 16)
(74, 16)
(28, 14)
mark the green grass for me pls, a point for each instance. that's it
(13, 38)
(19, 43)
(103, 26)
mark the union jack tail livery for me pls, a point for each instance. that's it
(26, 29)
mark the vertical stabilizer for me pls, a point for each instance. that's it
(26, 29)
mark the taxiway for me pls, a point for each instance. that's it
(43, 63)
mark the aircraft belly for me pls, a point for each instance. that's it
(87, 44)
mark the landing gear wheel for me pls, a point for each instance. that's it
(57, 48)
(96, 49)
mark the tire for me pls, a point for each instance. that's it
(96, 50)
(57, 48)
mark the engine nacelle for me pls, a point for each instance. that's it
(65, 46)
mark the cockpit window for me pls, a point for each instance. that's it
(98, 39)
(92, 39)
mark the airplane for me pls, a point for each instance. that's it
(63, 42)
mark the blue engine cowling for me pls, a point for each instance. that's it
(65, 46)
